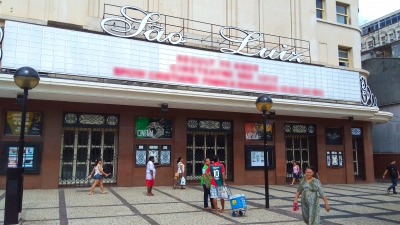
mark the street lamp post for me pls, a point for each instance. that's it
(26, 78)
(264, 104)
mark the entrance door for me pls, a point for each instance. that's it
(358, 154)
(300, 148)
(201, 145)
(86, 137)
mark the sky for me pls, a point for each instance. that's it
(373, 9)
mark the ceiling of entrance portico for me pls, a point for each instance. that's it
(104, 93)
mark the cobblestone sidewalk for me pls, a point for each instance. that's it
(350, 204)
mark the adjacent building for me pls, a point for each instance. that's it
(125, 80)
(381, 57)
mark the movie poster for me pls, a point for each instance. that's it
(254, 131)
(153, 128)
(27, 157)
(33, 124)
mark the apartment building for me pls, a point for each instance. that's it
(381, 57)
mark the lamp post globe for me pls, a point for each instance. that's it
(264, 103)
(26, 77)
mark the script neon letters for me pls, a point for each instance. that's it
(148, 19)
(156, 33)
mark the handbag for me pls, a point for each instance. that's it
(183, 181)
(176, 176)
(224, 193)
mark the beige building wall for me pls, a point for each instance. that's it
(288, 18)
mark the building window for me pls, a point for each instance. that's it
(383, 40)
(344, 57)
(391, 37)
(342, 14)
(370, 44)
(320, 9)
(161, 153)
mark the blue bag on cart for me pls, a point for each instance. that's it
(238, 202)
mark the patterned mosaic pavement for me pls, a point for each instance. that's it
(350, 204)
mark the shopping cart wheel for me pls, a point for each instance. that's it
(240, 213)
(233, 214)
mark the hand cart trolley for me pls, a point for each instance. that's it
(238, 204)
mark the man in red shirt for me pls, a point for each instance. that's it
(217, 172)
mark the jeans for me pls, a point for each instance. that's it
(394, 184)
(206, 194)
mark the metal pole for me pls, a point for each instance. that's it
(265, 162)
(22, 132)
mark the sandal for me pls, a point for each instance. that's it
(183, 188)
(207, 208)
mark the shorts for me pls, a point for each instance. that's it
(149, 183)
(296, 175)
(216, 191)
(97, 177)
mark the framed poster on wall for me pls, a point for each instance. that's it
(153, 128)
(333, 135)
(254, 156)
(31, 157)
(33, 124)
(255, 131)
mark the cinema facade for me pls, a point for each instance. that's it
(143, 87)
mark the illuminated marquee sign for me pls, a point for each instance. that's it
(236, 45)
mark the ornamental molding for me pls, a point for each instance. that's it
(367, 97)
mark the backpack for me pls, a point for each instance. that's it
(393, 172)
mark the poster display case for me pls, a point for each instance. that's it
(254, 155)
(31, 156)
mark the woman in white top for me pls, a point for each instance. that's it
(181, 171)
(98, 179)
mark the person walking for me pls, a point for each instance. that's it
(98, 178)
(394, 175)
(150, 175)
(205, 182)
(309, 189)
(296, 172)
(181, 170)
(217, 171)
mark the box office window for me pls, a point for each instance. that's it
(33, 124)
(161, 153)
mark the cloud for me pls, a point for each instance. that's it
(373, 9)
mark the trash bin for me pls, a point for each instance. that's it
(14, 192)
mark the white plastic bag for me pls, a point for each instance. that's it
(224, 194)
(183, 181)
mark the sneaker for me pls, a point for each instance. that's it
(388, 191)
(395, 193)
